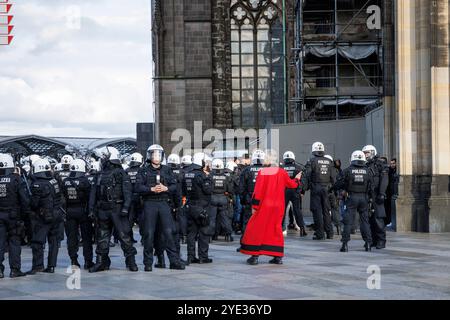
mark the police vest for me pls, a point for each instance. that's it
(253, 173)
(193, 189)
(219, 183)
(133, 175)
(376, 167)
(110, 186)
(55, 192)
(8, 192)
(62, 175)
(358, 179)
(321, 170)
(75, 191)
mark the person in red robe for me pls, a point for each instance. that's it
(264, 234)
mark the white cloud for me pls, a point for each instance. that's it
(93, 81)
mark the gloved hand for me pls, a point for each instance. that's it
(124, 212)
(380, 198)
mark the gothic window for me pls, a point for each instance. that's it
(257, 62)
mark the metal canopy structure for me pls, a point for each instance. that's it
(56, 147)
(338, 60)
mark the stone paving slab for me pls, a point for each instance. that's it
(413, 266)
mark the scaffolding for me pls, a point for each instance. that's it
(337, 59)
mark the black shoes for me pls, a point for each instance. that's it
(88, 265)
(381, 245)
(148, 268)
(101, 264)
(177, 266)
(303, 232)
(16, 273)
(205, 260)
(49, 270)
(344, 247)
(276, 260)
(192, 260)
(161, 264)
(367, 247)
(130, 262)
(253, 260)
(330, 236)
(35, 270)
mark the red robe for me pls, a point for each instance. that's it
(263, 234)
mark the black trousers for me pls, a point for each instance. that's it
(9, 234)
(136, 214)
(357, 202)
(160, 241)
(182, 220)
(320, 207)
(293, 196)
(107, 218)
(155, 211)
(377, 224)
(76, 220)
(219, 210)
(43, 232)
(196, 230)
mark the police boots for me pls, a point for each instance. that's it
(344, 247)
(161, 262)
(16, 273)
(303, 232)
(101, 264)
(131, 264)
(367, 246)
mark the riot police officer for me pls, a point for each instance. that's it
(294, 195)
(334, 205)
(76, 189)
(186, 163)
(155, 183)
(62, 174)
(197, 188)
(319, 178)
(380, 172)
(109, 202)
(136, 208)
(220, 199)
(46, 201)
(247, 182)
(356, 182)
(12, 195)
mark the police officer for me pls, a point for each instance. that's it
(319, 178)
(247, 182)
(334, 205)
(12, 195)
(356, 182)
(197, 188)
(76, 189)
(294, 195)
(186, 164)
(46, 201)
(136, 208)
(220, 199)
(111, 197)
(62, 174)
(155, 183)
(380, 172)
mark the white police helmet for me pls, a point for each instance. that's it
(199, 159)
(289, 155)
(6, 164)
(155, 153)
(217, 164)
(108, 153)
(369, 151)
(136, 159)
(42, 168)
(231, 165)
(78, 165)
(258, 156)
(328, 157)
(32, 158)
(173, 159)
(186, 160)
(358, 157)
(318, 147)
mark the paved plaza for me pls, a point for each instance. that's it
(413, 266)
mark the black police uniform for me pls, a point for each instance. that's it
(183, 212)
(156, 209)
(12, 196)
(320, 177)
(247, 181)
(357, 182)
(380, 173)
(294, 195)
(136, 207)
(111, 197)
(76, 189)
(197, 188)
(46, 201)
(220, 202)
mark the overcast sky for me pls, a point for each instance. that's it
(65, 76)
